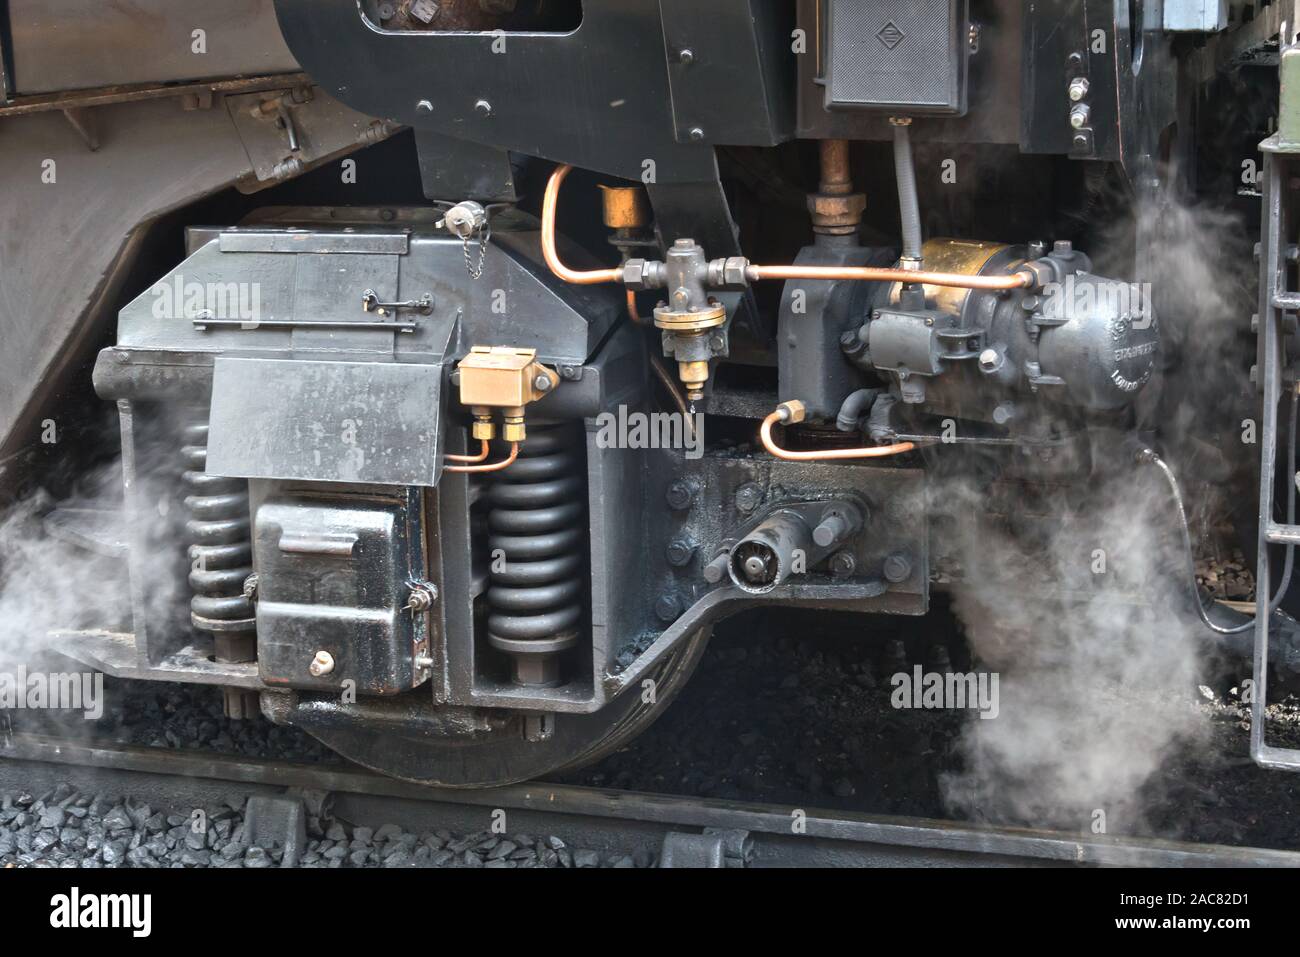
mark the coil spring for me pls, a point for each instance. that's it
(536, 520)
(221, 550)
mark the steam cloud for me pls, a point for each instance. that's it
(1098, 688)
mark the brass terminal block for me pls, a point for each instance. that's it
(503, 377)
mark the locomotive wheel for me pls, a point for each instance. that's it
(502, 756)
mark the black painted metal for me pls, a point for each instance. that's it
(598, 97)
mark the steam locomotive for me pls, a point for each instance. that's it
(473, 358)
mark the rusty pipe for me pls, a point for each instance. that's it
(489, 467)
(788, 413)
(550, 200)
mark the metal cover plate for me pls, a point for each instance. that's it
(325, 421)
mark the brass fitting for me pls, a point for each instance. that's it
(791, 412)
(512, 425)
(503, 377)
(483, 428)
(625, 207)
(693, 376)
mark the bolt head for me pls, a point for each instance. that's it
(542, 383)
(483, 108)
(680, 495)
(990, 360)
(667, 607)
(321, 665)
(680, 552)
(748, 496)
(843, 564)
(697, 134)
(1079, 114)
(1078, 88)
(424, 106)
(898, 567)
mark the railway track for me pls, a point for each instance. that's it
(678, 831)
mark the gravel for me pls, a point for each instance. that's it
(65, 828)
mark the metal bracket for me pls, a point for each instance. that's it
(1279, 167)
(370, 303)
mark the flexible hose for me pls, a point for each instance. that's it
(1149, 455)
(909, 211)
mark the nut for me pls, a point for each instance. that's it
(1079, 114)
(1078, 88)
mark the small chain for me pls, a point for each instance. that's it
(484, 234)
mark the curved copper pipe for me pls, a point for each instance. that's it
(1017, 280)
(549, 202)
(754, 273)
(631, 307)
(482, 455)
(866, 452)
(491, 466)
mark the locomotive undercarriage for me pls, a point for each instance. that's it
(466, 512)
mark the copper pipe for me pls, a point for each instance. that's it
(491, 466)
(631, 307)
(791, 412)
(835, 178)
(482, 455)
(549, 202)
(1017, 280)
(755, 273)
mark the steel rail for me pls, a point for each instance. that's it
(777, 830)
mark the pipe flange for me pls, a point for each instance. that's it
(695, 320)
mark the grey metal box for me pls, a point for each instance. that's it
(325, 421)
(906, 57)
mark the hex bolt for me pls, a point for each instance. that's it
(834, 527)
(843, 564)
(571, 373)
(898, 567)
(680, 552)
(716, 570)
(680, 494)
(990, 360)
(1079, 114)
(1078, 88)
(748, 496)
(542, 383)
(321, 665)
(667, 607)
